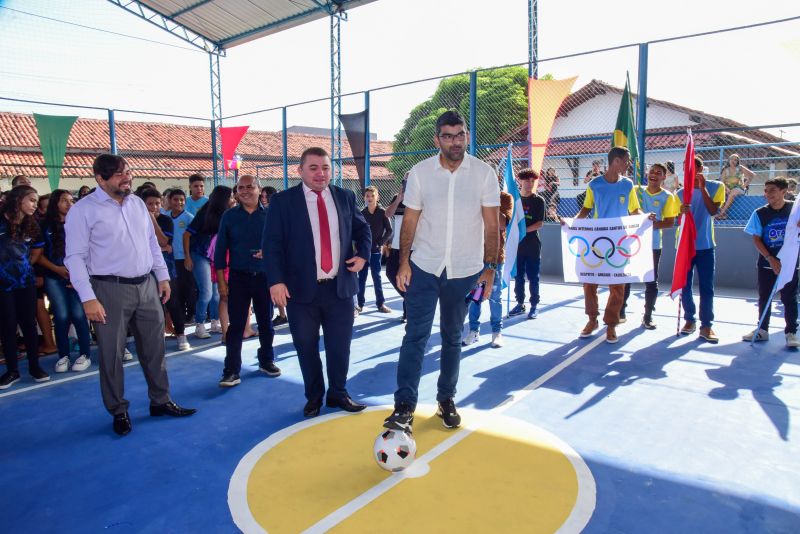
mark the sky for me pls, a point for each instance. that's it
(750, 76)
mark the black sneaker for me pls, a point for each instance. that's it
(39, 375)
(447, 411)
(623, 318)
(403, 318)
(8, 379)
(519, 309)
(401, 419)
(280, 320)
(230, 380)
(648, 324)
(270, 369)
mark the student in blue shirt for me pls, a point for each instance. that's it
(610, 195)
(767, 225)
(707, 198)
(663, 207)
(196, 200)
(181, 219)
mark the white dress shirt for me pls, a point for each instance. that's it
(333, 224)
(104, 237)
(450, 229)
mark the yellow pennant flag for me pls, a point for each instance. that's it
(544, 99)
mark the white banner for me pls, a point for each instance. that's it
(607, 251)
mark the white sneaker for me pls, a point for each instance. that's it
(497, 340)
(183, 343)
(792, 341)
(761, 335)
(472, 337)
(62, 365)
(216, 328)
(200, 331)
(127, 356)
(83, 363)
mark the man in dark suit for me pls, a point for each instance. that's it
(309, 240)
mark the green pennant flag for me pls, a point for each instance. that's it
(53, 135)
(625, 131)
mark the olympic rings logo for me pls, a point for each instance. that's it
(611, 249)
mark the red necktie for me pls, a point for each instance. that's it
(325, 256)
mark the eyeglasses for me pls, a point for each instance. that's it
(126, 172)
(451, 137)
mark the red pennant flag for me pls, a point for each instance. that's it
(231, 137)
(688, 230)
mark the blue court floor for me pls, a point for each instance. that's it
(678, 435)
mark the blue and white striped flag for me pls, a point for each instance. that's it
(516, 229)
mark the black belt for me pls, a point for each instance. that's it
(247, 273)
(325, 280)
(120, 279)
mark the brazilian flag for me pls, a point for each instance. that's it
(625, 131)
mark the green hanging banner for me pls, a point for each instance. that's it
(53, 135)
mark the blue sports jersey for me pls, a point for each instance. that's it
(610, 200)
(702, 219)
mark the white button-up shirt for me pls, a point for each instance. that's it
(104, 237)
(333, 224)
(450, 229)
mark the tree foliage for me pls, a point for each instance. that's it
(502, 106)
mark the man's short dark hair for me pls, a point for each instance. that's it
(450, 118)
(177, 193)
(698, 162)
(196, 178)
(780, 182)
(617, 152)
(15, 180)
(527, 174)
(106, 165)
(659, 166)
(313, 151)
(149, 193)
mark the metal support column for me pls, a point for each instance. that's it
(366, 140)
(473, 110)
(112, 132)
(285, 150)
(641, 111)
(533, 39)
(336, 94)
(216, 115)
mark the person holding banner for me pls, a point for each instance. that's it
(663, 207)
(709, 195)
(608, 196)
(767, 225)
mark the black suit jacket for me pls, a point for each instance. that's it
(288, 243)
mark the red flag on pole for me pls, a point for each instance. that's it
(687, 230)
(231, 137)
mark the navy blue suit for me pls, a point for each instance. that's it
(290, 258)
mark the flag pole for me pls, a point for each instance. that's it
(764, 313)
(678, 326)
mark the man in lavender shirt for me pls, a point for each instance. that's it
(115, 265)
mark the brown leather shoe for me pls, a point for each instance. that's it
(589, 329)
(611, 334)
(709, 335)
(688, 328)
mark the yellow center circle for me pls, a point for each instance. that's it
(497, 474)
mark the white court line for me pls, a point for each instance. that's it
(78, 376)
(339, 515)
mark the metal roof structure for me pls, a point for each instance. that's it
(216, 25)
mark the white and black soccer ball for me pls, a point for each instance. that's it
(394, 450)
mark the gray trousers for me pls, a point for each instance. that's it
(137, 307)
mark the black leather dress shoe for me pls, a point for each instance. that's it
(122, 424)
(171, 409)
(345, 403)
(311, 409)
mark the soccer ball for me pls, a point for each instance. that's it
(394, 450)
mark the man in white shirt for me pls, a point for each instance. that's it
(451, 223)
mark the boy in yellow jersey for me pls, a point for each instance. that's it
(663, 207)
(608, 196)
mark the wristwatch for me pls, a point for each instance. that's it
(492, 266)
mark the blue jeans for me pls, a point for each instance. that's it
(67, 308)
(495, 306)
(423, 293)
(207, 295)
(704, 261)
(527, 265)
(375, 269)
